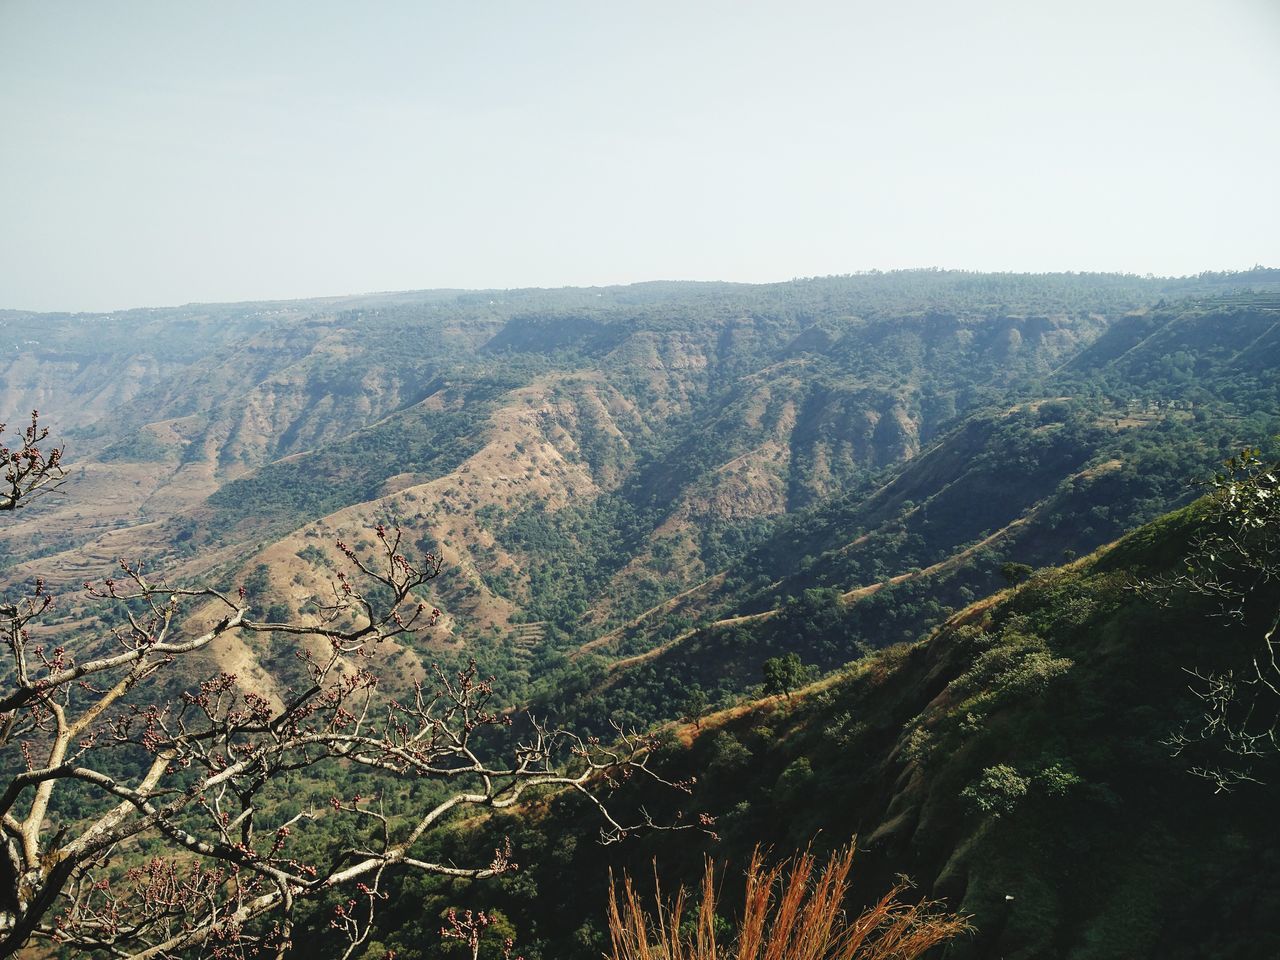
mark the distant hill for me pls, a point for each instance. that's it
(701, 451)
(1124, 430)
(642, 493)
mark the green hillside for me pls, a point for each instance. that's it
(1012, 763)
(1117, 441)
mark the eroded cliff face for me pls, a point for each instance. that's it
(74, 390)
(266, 433)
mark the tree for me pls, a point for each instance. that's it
(29, 471)
(695, 705)
(178, 832)
(1015, 573)
(468, 933)
(1235, 562)
(783, 674)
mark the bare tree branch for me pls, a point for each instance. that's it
(1235, 562)
(196, 770)
(29, 470)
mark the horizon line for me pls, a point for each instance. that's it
(872, 272)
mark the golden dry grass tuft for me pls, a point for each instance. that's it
(790, 912)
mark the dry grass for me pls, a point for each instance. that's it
(790, 912)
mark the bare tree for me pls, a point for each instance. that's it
(191, 774)
(1235, 562)
(29, 469)
(469, 929)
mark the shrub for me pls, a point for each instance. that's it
(997, 791)
(788, 914)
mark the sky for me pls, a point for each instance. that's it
(164, 153)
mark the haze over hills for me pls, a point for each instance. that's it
(583, 560)
(642, 493)
(680, 420)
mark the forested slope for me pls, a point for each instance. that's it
(1014, 763)
(1118, 436)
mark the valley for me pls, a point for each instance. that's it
(925, 484)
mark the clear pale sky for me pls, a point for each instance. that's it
(163, 153)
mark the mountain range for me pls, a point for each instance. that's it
(925, 484)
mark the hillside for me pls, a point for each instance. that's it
(640, 494)
(698, 451)
(1013, 763)
(1116, 442)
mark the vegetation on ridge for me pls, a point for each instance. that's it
(672, 506)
